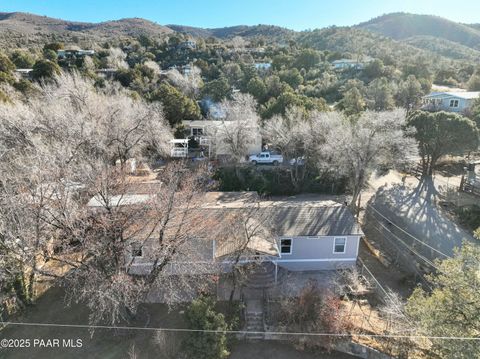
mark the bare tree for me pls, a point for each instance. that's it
(116, 58)
(246, 237)
(109, 124)
(393, 310)
(298, 135)
(355, 148)
(189, 83)
(238, 43)
(55, 150)
(153, 66)
(240, 126)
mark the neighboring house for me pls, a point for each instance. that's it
(187, 69)
(179, 148)
(24, 73)
(263, 66)
(190, 45)
(107, 73)
(295, 235)
(473, 173)
(346, 64)
(71, 53)
(449, 101)
(211, 134)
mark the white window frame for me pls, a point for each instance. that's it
(454, 103)
(291, 246)
(344, 246)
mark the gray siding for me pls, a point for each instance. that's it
(316, 253)
(444, 105)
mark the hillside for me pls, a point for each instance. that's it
(22, 29)
(394, 36)
(401, 26)
(356, 41)
(445, 48)
(269, 31)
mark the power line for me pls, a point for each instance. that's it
(406, 245)
(410, 235)
(214, 331)
(421, 275)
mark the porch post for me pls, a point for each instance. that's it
(276, 272)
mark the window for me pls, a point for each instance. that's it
(137, 250)
(339, 245)
(197, 131)
(286, 246)
(453, 103)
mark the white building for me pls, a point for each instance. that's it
(449, 101)
(345, 64)
(211, 134)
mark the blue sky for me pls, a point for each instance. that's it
(294, 14)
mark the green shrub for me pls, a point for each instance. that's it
(274, 181)
(201, 315)
(469, 216)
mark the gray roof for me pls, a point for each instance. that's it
(295, 217)
(304, 221)
(298, 221)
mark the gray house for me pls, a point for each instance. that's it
(318, 236)
(449, 101)
(292, 235)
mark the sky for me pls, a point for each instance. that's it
(293, 14)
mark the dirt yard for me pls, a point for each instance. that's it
(278, 350)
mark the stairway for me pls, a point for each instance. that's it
(263, 277)
(259, 281)
(254, 320)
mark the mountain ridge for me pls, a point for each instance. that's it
(401, 26)
(428, 34)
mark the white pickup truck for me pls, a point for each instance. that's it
(266, 157)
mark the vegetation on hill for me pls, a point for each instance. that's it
(26, 30)
(443, 47)
(265, 31)
(403, 25)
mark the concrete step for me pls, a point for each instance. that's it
(254, 319)
(264, 276)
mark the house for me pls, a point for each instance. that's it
(449, 101)
(295, 236)
(107, 73)
(179, 148)
(263, 66)
(187, 45)
(346, 64)
(74, 53)
(24, 73)
(210, 135)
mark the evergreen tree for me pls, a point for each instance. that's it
(201, 315)
(176, 106)
(452, 308)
